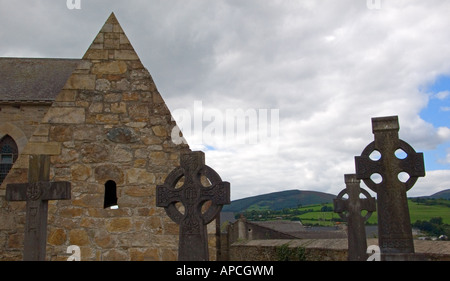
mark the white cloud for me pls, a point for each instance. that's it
(433, 182)
(442, 95)
(446, 159)
(444, 133)
(328, 66)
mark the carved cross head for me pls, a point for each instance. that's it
(199, 184)
(354, 205)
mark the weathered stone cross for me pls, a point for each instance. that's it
(37, 192)
(394, 224)
(350, 211)
(193, 243)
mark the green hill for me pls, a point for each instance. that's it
(322, 214)
(316, 208)
(279, 200)
(444, 194)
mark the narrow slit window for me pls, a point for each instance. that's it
(110, 195)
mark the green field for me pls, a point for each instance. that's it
(323, 215)
(426, 212)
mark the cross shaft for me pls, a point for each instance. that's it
(36, 193)
(354, 205)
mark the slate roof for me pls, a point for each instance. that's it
(33, 79)
(282, 225)
(296, 229)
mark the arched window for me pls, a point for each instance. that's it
(110, 195)
(8, 155)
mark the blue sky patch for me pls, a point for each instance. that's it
(438, 110)
(438, 114)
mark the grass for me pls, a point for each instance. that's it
(422, 212)
(426, 212)
(322, 214)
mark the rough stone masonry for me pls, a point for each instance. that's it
(109, 123)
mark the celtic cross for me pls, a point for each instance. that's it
(394, 225)
(36, 193)
(350, 211)
(193, 243)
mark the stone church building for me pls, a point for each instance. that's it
(107, 131)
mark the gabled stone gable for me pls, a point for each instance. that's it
(109, 122)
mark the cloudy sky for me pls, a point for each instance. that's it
(309, 73)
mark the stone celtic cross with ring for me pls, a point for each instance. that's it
(350, 211)
(193, 243)
(394, 224)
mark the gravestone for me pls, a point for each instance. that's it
(394, 224)
(350, 211)
(193, 242)
(36, 193)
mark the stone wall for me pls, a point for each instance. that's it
(109, 123)
(298, 249)
(321, 250)
(247, 230)
(21, 120)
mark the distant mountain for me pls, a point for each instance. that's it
(279, 200)
(292, 199)
(444, 194)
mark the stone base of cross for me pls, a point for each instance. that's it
(193, 243)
